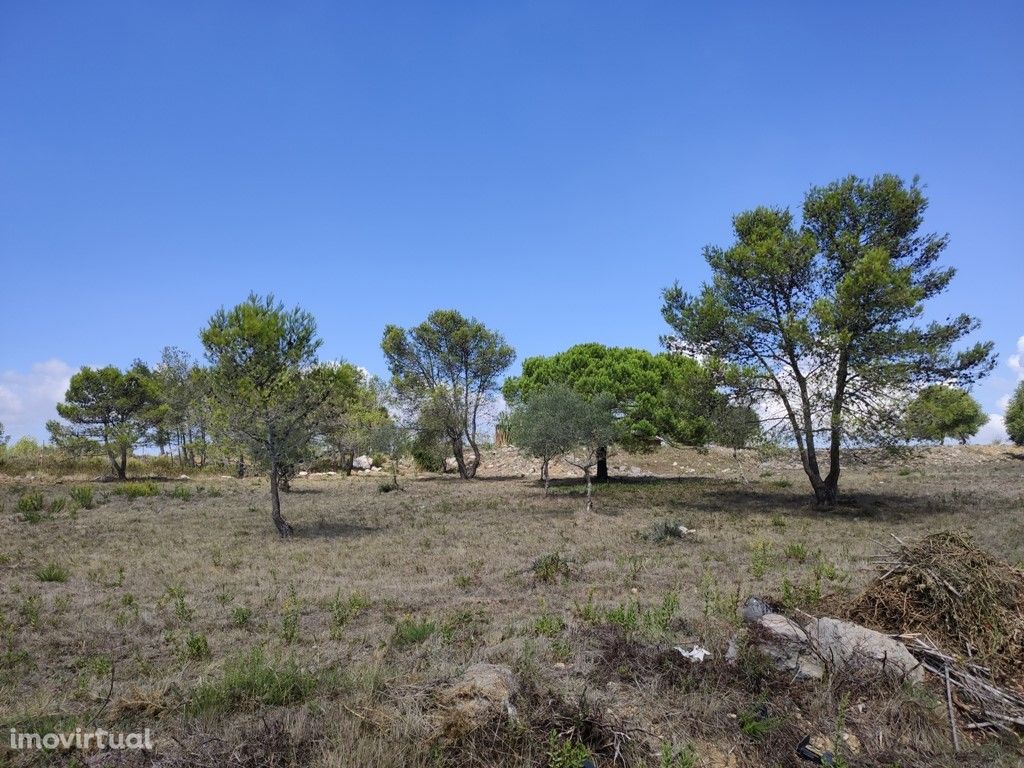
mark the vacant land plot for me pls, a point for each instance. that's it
(173, 606)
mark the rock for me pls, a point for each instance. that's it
(753, 609)
(784, 641)
(845, 645)
(482, 693)
(362, 462)
(303, 473)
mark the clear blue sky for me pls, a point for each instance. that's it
(546, 166)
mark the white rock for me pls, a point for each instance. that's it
(362, 462)
(845, 645)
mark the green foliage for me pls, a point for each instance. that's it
(52, 572)
(939, 412)
(343, 610)
(550, 568)
(1015, 416)
(241, 616)
(677, 758)
(665, 395)
(565, 753)
(760, 558)
(548, 625)
(409, 631)
(196, 648)
(181, 493)
(664, 530)
(734, 426)
(291, 616)
(83, 496)
(31, 501)
(111, 409)
(825, 316)
(352, 410)
(447, 368)
(250, 680)
(137, 490)
(266, 382)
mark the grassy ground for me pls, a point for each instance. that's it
(176, 608)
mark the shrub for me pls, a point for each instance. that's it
(343, 610)
(549, 568)
(665, 530)
(180, 492)
(408, 631)
(32, 501)
(53, 573)
(83, 496)
(57, 506)
(196, 647)
(241, 615)
(250, 680)
(563, 753)
(548, 625)
(136, 490)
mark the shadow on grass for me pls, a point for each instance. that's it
(331, 529)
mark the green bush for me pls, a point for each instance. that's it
(136, 490)
(53, 573)
(549, 568)
(83, 496)
(57, 506)
(32, 501)
(241, 616)
(250, 680)
(196, 647)
(408, 631)
(180, 492)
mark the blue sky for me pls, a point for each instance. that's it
(546, 166)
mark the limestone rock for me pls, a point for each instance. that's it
(845, 645)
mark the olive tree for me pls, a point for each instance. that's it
(265, 379)
(448, 366)
(594, 427)
(540, 425)
(825, 316)
(939, 412)
(110, 410)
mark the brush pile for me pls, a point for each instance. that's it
(961, 611)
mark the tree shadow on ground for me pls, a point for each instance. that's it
(331, 529)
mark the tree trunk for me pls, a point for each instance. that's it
(545, 475)
(590, 490)
(122, 467)
(241, 466)
(347, 460)
(602, 464)
(466, 471)
(394, 471)
(283, 527)
(826, 493)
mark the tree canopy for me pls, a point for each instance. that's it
(265, 378)
(665, 395)
(111, 410)
(939, 412)
(449, 366)
(1015, 415)
(824, 317)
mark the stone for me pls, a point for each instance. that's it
(783, 640)
(845, 645)
(754, 608)
(483, 692)
(362, 462)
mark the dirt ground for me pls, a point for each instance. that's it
(182, 612)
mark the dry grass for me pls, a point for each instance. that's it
(343, 608)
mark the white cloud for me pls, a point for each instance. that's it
(28, 399)
(993, 432)
(1016, 361)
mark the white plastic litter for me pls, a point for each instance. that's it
(697, 655)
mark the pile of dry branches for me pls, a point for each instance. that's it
(961, 611)
(968, 602)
